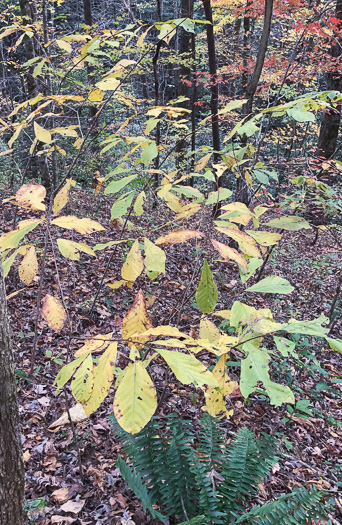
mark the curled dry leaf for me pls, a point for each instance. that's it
(53, 313)
(77, 414)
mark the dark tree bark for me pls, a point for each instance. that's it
(215, 128)
(327, 140)
(183, 88)
(242, 193)
(11, 459)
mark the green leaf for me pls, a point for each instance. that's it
(116, 185)
(272, 284)
(68, 371)
(218, 196)
(253, 265)
(313, 327)
(83, 380)
(121, 205)
(207, 293)
(11, 239)
(135, 400)
(285, 346)
(301, 116)
(335, 344)
(187, 25)
(187, 368)
(289, 222)
(149, 153)
(255, 368)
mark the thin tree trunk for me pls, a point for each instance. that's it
(242, 193)
(11, 460)
(327, 140)
(214, 91)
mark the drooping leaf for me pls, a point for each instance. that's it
(201, 163)
(138, 205)
(42, 134)
(62, 196)
(31, 196)
(290, 223)
(229, 253)
(134, 264)
(178, 236)
(264, 238)
(121, 205)
(272, 284)
(255, 368)
(11, 239)
(149, 153)
(285, 346)
(7, 263)
(207, 293)
(96, 95)
(84, 226)
(187, 368)
(68, 371)
(103, 379)
(135, 399)
(335, 344)
(214, 397)
(209, 331)
(29, 266)
(95, 344)
(136, 321)
(301, 116)
(53, 312)
(155, 259)
(313, 327)
(108, 84)
(83, 380)
(71, 249)
(246, 243)
(253, 265)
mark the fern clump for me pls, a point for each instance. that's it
(202, 481)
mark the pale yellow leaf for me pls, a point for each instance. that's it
(71, 249)
(134, 264)
(136, 321)
(77, 414)
(201, 163)
(96, 95)
(178, 236)
(264, 238)
(62, 196)
(229, 253)
(31, 196)
(246, 243)
(98, 343)
(29, 266)
(42, 134)
(83, 380)
(70, 222)
(215, 403)
(103, 378)
(155, 259)
(53, 313)
(135, 399)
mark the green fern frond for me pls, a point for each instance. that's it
(246, 465)
(136, 484)
(212, 441)
(296, 508)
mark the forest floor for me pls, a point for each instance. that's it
(311, 442)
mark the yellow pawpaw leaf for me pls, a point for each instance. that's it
(31, 196)
(215, 403)
(83, 380)
(53, 313)
(42, 134)
(29, 266)
(95, 344)
(177, 236)
(264, 238)
(71, 249)
(246, 243)
(209, 331)
(70, 222)
(136, 321)
(134, 264)
(229, 253)
(96, 95)
(103, 379)
(136, 399)
(62, 196)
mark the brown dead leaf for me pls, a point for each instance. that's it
(77, 414)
